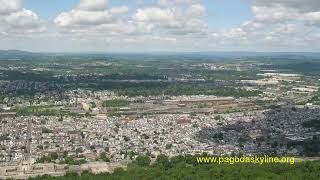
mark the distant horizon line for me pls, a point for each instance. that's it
(157, 52)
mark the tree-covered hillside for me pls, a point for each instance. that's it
(185, 168)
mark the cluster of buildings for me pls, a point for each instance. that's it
(18, 86)
(275, 131)
(120, 138)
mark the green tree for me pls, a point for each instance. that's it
(143, 160)
(163, 160)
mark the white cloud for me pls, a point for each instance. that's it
(178, 20)
(312, 18)
(23, 19)
(9, 6)
(119, 10)
(92, 5)
(80, 17)
(15, 20)
(277, 25)
(91, 24)
(284, 36)
(306, 11)
(197, 10)
(164, 39)
(301, 5)
(176, 2)
(166, 25)
(90, 14)
(274, 13)
(154, 15)
(152, 25)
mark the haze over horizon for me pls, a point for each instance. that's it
(234, 53)
(160, 25)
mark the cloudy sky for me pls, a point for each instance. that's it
(160, 25)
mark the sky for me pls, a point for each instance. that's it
(160, 25)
